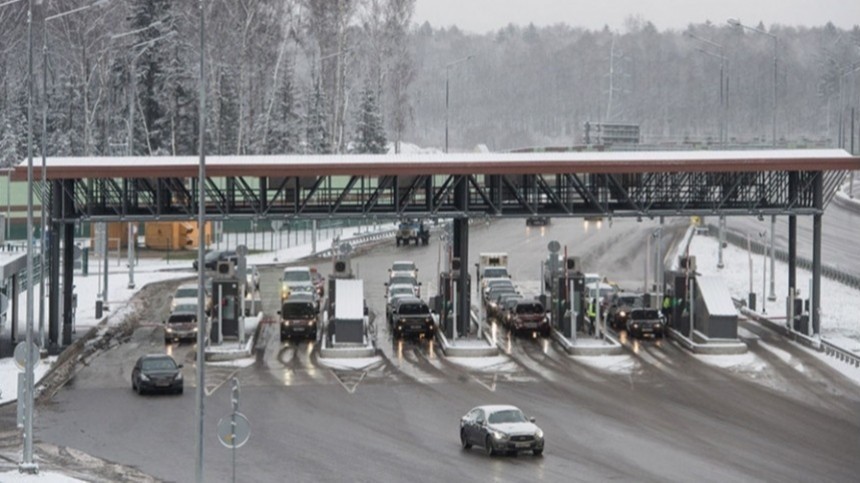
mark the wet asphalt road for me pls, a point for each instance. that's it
(670, 417)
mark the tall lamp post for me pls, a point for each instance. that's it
(724, 82)
(201, 242)
(44, 187)
(447, 91)
(27, 464)
(737, 24)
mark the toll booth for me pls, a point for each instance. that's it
(348, 321)
(442, 303)
(225, 313)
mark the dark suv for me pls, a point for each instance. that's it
(211, 259)
(645, 322)
(528, 316)
(411, 316)
(299, 317)
(621, 306)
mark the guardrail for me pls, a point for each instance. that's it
(827, 271)
(820, 345)
(358, 240)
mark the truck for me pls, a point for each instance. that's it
(492, 266)
(412, 230)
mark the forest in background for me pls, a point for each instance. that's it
(337, 76)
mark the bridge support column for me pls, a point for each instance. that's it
(818, 201)
(54, 273)
(68, 262)
(461, 251)
(792, 236)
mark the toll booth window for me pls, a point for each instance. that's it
(230, 308)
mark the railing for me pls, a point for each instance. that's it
(827, 271)
(358, 240)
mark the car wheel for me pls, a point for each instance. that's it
(464, 442)
(538, 452)
(488, 447)
(180, 390)
(133, 386)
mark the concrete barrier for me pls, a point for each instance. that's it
(611, 347)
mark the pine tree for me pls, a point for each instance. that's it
(9, 155)
(316, 131)
(152, 132)
(284, 130)
(369, 132)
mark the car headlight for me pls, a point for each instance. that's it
(312, 323)
(168, 330)
(499, 435)
(635, 326)
(539, 434)
(144, 377)
(286, 323)
(622, 313)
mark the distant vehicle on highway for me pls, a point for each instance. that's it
(645, 323)
(412, 230)
(500, 429)
(211, 259)
(538, 220)
(156, 373)
(403, 266)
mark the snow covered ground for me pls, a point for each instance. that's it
(43, 477)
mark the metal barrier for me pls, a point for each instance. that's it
(358, 241)
(827, 271)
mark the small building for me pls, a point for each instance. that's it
(715, 314)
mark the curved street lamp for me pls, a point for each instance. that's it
(737, 24)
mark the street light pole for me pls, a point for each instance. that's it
(737, 23)
(27, 464)
(201, 241)
(724, 94)
(447, 92)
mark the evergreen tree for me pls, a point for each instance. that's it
(152, 132)
(369, 131)
(316, 130)
(9, 155)
(284, 130)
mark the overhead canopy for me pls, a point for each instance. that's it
(445, 164)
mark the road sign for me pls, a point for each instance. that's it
(277, 224)
(22, 393)
(234, 435)
(21, 355)
(554, 246)
(242, 250)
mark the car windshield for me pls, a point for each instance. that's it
(495, 272)
(186, 293)
(500, 283)
(185, 308)
(158, 364)
(212, 256)
(297, 276)
(530, 308)
(500, 290)
(401, 291)
(629, 300)
(507, 416)
(414, 309)
(402, 280)
(644, 314)
(182, 318)
(298, 310)
(402, 267)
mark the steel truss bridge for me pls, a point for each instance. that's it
(457, 186)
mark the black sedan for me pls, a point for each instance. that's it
(646, 323)
(500, 429)
(156, 373)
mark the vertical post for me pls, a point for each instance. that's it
(131, 242)
(818, 200)
(447, 71)
(772, 295)
(201, 230)
(647, 261)
(28, 465)
(763, 271)
(692, 302)
(105, 263)
(44, 188)
(722, 241)
(775, 82)
(313, 236)
(751, 300)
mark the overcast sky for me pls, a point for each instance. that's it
(481, 16)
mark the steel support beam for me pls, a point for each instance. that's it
(461, 251)
(818, 193)
(54, 257)
(792, 236)
(68, 263)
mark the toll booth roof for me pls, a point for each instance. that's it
(349, 299)
(716, 296)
